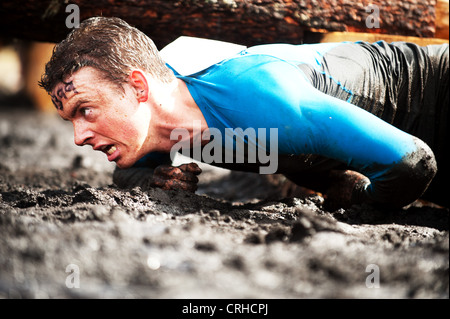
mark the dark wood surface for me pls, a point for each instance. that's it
(246, 22)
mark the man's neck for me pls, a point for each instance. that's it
(176, 109)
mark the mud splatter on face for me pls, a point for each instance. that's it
(61, 94)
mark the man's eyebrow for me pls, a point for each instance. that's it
(77, 105)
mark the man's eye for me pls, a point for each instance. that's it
(85, 111)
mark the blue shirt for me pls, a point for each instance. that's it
(320, 98)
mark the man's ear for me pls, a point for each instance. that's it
(139, 82)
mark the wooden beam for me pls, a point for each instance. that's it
(246, 22)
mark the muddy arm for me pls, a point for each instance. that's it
(397, 185)
(401, 183)
(398, 166)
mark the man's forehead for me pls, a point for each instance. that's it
(84, 77)
(72, 85)
(61, 93)
(87, 81)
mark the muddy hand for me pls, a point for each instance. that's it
(182, 177)
(344, 189)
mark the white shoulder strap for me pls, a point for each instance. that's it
(189, 55)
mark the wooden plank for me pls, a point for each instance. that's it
(368, 37)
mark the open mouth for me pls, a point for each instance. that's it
(109, 149)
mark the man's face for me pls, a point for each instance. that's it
(103, 116)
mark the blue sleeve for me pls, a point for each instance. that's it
(345, 132)
(399, 166)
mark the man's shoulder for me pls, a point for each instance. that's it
(189, 55)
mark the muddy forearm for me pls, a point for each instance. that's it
(402, 183)
(183, 177)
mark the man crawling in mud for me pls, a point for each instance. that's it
(358, 122)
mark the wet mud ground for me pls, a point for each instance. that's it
(67, 232)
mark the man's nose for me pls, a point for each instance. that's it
(82, 133)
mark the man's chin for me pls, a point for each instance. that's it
(123, 165)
